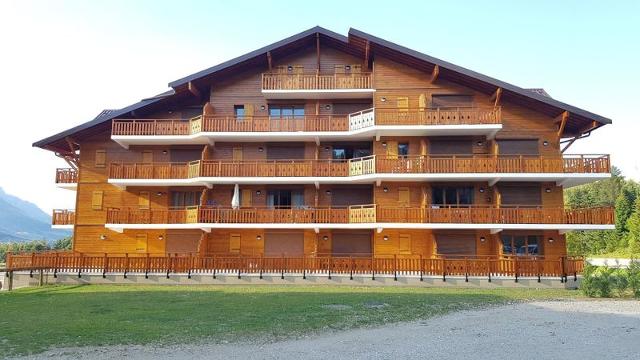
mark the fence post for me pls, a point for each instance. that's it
(55, 267)
(489, 267)
(33, 257)
(213, 265)
(304, 267)
(10, 274)
(329, 267)
(444, 269)
(563, 270)
(373, 267)
(539, 269)
(350, 267)
(190, 263)
(466, 269)
(261, 264)
(421, 268)
(80, 261)
(146, 266)
(515, 266)
(105, 266)
(126, 265)
(395, 267)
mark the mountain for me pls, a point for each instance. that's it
(21, 220)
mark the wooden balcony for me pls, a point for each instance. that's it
(358, 214)
(316, 81)
(308, 123)
(521, 164)
(67, 178)
(63, 218)
(370, 165)
(467, 265)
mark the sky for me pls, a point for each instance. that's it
(62, 62)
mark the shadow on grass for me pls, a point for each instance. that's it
(39, 318)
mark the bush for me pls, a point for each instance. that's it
(604, 282)
(634, 277)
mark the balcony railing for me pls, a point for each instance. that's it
(375, 164)
(355, 265)
(66, 176)
(315, 81)
(63, 217)
(313, 123)
(364, 214)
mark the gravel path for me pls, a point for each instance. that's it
(537, 330)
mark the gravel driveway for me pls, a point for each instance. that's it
(537, 330)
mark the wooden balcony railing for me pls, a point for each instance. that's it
(63, 217)
(315, 81)
(358, 120)
(66, 176)
(437, 164)
(375, 164)
(365, 214)
(469, 265)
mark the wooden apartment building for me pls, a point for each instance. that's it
(326, 145)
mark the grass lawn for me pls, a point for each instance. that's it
(34, 319)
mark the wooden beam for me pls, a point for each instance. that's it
(367, 50)
(269, 61)
(563, 122)
(318, 50)
(435, 73)
(496, 97)
(71, 143)
(193, 89)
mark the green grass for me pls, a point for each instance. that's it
(35, 319)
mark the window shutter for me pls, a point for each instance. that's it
(101, 158)
(147, 156)
(392, 149)
(404, 196)
(143, 200)
(405, 244)
(248, 110)
(245, 198)
(234, 243)
(96, 200)
(422, 102)
(237, 153)
(403, 103)
(141, 242)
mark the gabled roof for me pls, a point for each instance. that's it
(356, 44)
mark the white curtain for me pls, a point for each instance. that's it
(235, 200)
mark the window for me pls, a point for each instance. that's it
(238, 111)
(404, 244)
(285, 198)
(286, 111)
(451, 196)
(403, 149)
(141, 242)
(518, 147)
(234, 243)
(521, 245)
(351, 151)
(184, 198)
(101, 158)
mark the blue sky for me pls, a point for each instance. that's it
(67, 60)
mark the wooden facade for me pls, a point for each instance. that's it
(340, 149)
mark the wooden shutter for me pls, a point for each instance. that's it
(404, 196)
(351, 243)
(245, 198)
(518, 147)
(248, 110)
(141, 242)
(96, 200)
(101, 158)
(237, 154)
(234, 243)
(403, 103)
(520, 195)
(456, 244)
(422, 102)
(147, 156)
(404, 244)
(450, 147)
(392, 149)
(143, 200)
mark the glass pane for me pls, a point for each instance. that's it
(519, 244)
(361, 153)
(298, 111)
(465, 196)
(403, 149)
(339, 154)
(274, 111)
(287, 112)
(532, 245)
(507, 249)
(238, 111)
(436, 196)
(450, 196)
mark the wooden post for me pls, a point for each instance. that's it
(41, 278)
(10, 276)
(421, 268)
(395, 267)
